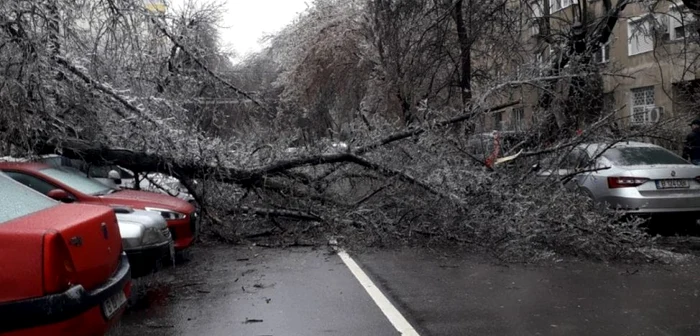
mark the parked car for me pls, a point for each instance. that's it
(118, 177)
(115, 177)
(67, 185)
(145, 238)
(63, 268)
(634, 177)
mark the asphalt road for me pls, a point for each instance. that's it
(469, 296)
(257, 291)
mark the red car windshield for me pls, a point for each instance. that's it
(75, 181)
(18, 200)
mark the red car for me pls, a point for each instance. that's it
(66, 185)
(63, 269)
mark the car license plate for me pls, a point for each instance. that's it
(672, 184)
(113, 304)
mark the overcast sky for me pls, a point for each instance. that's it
(246, 21)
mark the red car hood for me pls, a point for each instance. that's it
(140, 199)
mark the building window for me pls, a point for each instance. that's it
(642, 101)
(537, 8)
(679, 23)
(639, 37)
(555, 5)
(603, 54)
(517, 118)
(608, 102)
(498, 121)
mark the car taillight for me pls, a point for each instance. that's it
(625, 182)
(59, 271)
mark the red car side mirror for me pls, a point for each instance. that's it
(61, 195)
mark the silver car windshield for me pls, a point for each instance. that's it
(640, 156)
(18, 200)
(76, 181)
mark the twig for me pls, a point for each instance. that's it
(265, 233)
(391, 172)
(247, 320)
(184, 49)
(569, 176)
(418, 131)
(278, 213)
(366, 198)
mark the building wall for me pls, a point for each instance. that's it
(666, 64)
(669, 63)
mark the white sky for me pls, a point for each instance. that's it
(247, 21)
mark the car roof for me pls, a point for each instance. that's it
(35, 166)
(595, 148)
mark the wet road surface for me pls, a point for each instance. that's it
(467, 296)
(255, 291)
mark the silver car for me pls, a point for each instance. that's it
(145, 238)
(634, 177)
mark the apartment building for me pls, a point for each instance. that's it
(650, 63)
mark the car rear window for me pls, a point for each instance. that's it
(638, 156)
(18, 200)
(76, 181)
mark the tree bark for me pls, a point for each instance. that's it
(464, 54)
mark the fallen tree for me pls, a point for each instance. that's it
(389, 192)
(394, 185)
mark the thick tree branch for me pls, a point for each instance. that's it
(104, 89)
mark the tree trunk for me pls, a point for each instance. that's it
(464, 54)
(53, 28)
(578, 45)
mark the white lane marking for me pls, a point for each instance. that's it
(397, 320)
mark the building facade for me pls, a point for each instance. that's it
(649, 65)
